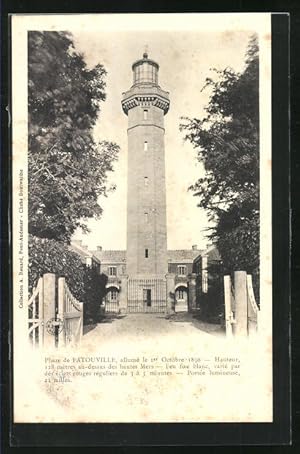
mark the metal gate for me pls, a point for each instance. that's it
(71, 312)
(146, 296)
(112, 301)
(36, 315)
(55, 316)
(112, 307)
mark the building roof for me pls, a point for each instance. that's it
(176, 255)
(183, 255)
(119, 256)
(110, 256)
(82, 250)
(78, 247)
(213, 255)
(145, 59)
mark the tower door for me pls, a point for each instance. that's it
(147, 297)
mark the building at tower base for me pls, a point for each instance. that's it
(185, 284)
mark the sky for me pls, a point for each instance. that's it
(185, 59)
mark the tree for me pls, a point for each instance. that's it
(50, 256)
(67, 169)
(94, 292)
(85, 283)
(227, 142)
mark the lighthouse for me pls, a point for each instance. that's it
(146, 104)
(146, 277)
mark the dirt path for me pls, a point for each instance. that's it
(133, 327)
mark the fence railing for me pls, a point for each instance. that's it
(72, 314)
(36, 315)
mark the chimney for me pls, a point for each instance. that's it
(195, 247)
(99, 248)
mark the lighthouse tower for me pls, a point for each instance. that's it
(145, 104)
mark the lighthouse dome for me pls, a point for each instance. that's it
(145, 71)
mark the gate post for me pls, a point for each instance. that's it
(204, 276)
(49, 308)
(123, 294)
(228, 309)
(170, 287)
(241, 313)
(61, 310)
(41, 312)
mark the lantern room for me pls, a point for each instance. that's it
(145, 71)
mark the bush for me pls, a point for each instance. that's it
(213, 309)
(51, 256)
(86, 284)
(94, 292)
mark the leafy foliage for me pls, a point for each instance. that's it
(86, 284)
(94, 291)
(67, 169)
(227, 142)
(212, 302)
(50, 256)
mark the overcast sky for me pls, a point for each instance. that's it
(185, 59)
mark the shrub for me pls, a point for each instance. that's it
(86, 284)
(94, 292)
(51, 256)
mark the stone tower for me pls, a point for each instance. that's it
(146, 104)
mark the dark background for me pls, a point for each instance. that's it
(277, 433)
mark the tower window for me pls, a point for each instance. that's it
(145, 146)
(145, 114)
(146, 253)
(146, 216)
(146, 181)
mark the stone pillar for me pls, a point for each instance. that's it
(61, 309)
(204, 274)
(49, 308)
(240, 296)
(123, 294)
(170, 278)
(88, 261)
(192, 292)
